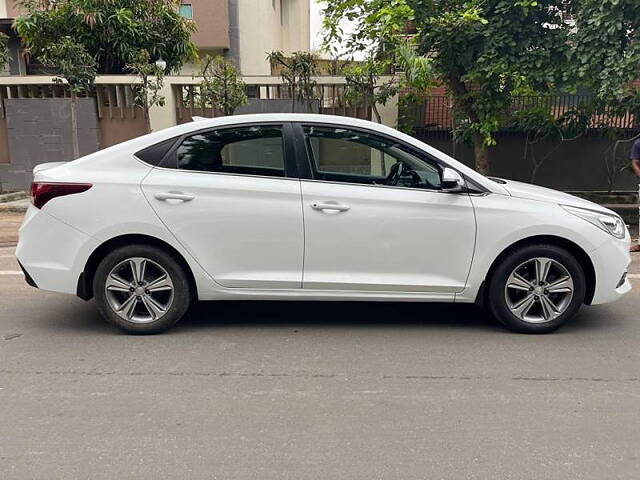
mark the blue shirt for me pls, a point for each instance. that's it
(635, 150)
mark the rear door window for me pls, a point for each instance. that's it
(246, 150)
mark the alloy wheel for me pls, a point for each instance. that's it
(139, 290)
(539, 290)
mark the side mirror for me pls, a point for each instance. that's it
(452, 181)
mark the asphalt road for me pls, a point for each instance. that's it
(314, 391)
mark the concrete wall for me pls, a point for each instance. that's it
(4, 141)
(574, 165)
(193, 68)
(125, 124)
(39, 130)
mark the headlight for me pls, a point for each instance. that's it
(611, 224)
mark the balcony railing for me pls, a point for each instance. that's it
(327, 99)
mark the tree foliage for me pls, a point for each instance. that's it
(486, 52)
(149, 83)
(112, 31)
(72, 63)
(297, 71)
(607, 48)
(5, 56)
(221, 86)
(364, 84)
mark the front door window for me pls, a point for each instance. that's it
(352, 156)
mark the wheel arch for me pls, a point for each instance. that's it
(574, 249)
(85, 281)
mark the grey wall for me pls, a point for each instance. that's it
(573, 165)
(39, 131)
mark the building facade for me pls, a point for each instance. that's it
(242, 30)
(261, 26)
(246, 30)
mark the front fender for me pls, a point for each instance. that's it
(503, 221)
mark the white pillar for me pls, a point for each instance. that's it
(388, 111)
(165, 116)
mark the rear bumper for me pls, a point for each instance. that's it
(51, 253)
(610, 262)
(27, 277)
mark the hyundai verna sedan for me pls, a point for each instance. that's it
(310, 207)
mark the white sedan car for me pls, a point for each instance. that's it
(310, 207)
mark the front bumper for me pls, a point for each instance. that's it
(610, 262)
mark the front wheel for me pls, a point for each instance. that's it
(536, 289)
(141, 289)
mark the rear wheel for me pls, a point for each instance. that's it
(141, 289)
(536, 289)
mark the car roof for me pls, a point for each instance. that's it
(203, 122)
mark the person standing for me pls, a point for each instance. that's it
(635, 157)
(635, 166)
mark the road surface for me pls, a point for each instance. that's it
(314, 391)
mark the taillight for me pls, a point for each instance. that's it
(42, 192)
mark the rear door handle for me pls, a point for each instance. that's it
(330, 206)
(174, 196)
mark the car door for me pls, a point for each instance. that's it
(362, 234)
(231, 197)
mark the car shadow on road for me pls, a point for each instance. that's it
(335, 314)
(267, 314)
(440, 316)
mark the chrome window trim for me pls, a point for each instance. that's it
(229, 174)
(394, 187)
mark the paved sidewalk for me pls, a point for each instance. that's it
(9, 224)
(16, 206)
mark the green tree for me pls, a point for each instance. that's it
(5, 56)
(77, 68)
(221, 86)
(606, 56)
(112, 31)
(364, 84)
(148, 84)
(483, 51)
(297, 71)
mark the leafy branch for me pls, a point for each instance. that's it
(221, 85)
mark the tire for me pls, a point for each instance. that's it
(154, 305)
(521, 302)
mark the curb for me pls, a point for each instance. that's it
(18, 206)
(12, 197)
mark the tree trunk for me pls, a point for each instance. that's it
(480, 154)
(226, 94)
(74, 125)
(293, 97)
(145, 102)
(147, 119)
(464, 104)
(376, 113)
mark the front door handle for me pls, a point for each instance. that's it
(174, 196)
(336, 207)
